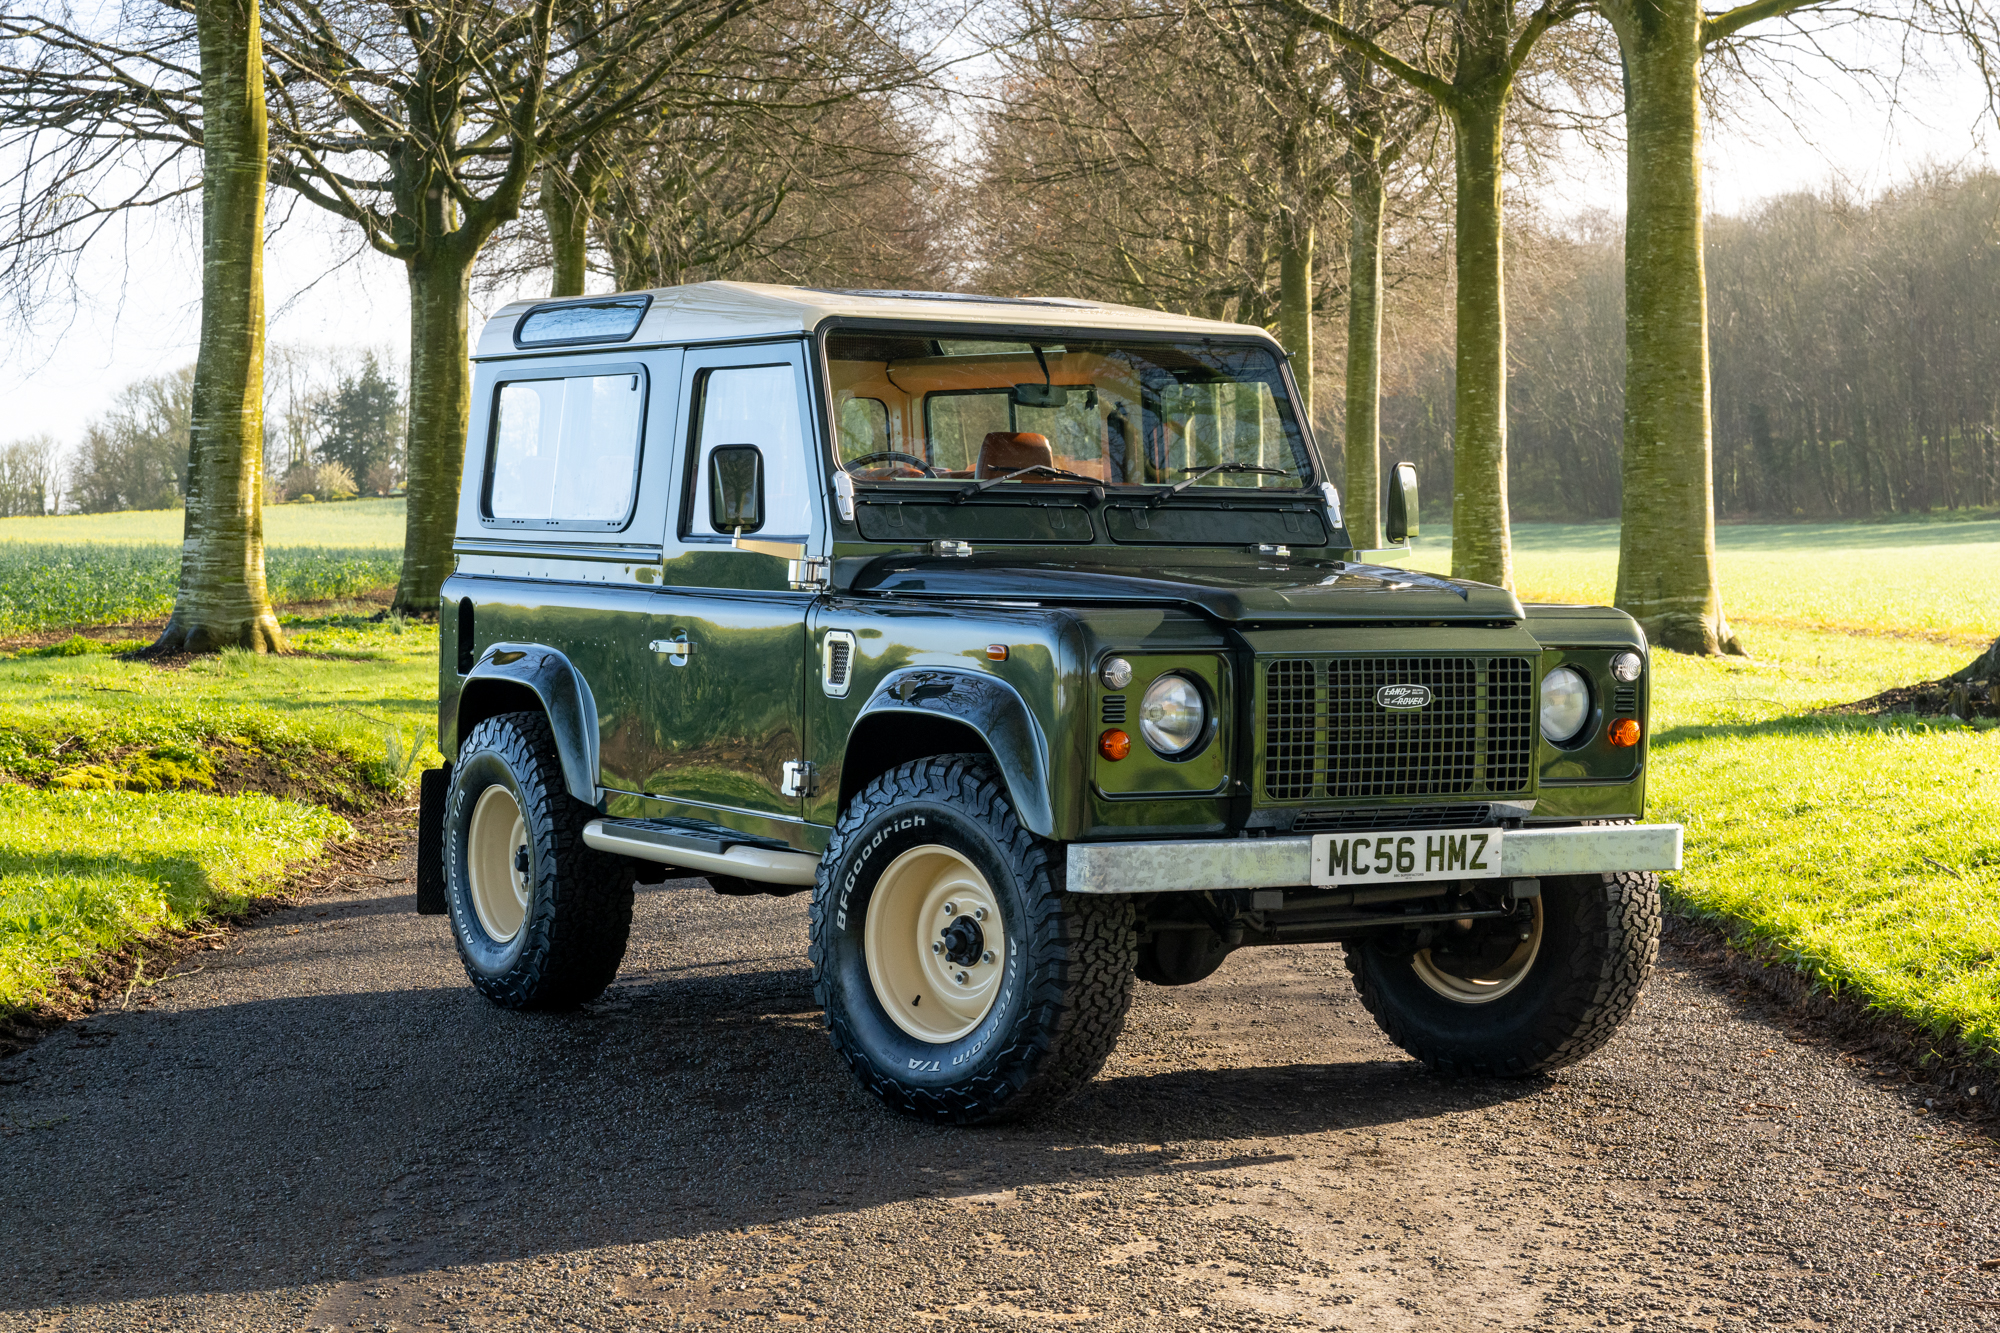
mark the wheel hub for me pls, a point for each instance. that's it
(964, 941)
(1485, 963)
(935, 943)
(498, 864)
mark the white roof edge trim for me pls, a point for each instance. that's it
(730, 311)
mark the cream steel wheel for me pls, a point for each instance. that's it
(498, 863)
(1488, 984)
(935, 943)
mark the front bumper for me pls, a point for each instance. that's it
(1285, 863)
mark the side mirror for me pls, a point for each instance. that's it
(1401, 524)
(736, 488)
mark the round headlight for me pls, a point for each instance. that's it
(1626, 666)
(1565, 704)
(1116, 672)
(1172, 715)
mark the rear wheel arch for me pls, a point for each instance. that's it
(530, 678)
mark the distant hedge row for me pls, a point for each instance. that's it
(49, 586)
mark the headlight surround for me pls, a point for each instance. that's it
(1565, 704)
(1173, 716)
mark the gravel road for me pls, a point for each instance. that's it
(325, 1128)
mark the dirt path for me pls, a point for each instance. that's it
(331, 1130)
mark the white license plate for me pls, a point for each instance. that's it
(1393, 855)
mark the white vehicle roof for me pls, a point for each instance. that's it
(720, 311)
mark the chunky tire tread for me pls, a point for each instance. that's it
(1616, 922)
(1081, 954)
(582, 910)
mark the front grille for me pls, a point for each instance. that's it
(1327, 738)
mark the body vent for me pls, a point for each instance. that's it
(1625, 699)
(836, 663)
(1114, 709)
(1328, 737)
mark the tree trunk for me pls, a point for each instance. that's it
(440, 407)
(568, 219)
(1666, 547)
(222, 601)
(1364, 347)
(1295, 305)
(1481, 548)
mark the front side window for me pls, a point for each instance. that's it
(1111, 412)
(755, 405)
(566, 451)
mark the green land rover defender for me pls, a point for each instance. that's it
(1026, 635)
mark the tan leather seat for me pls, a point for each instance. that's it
(1009, 451)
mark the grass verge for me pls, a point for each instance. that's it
(1862, 852)
(137, 797)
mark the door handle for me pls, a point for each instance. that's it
(677, 650)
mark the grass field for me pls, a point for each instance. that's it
(134, 796)
(1910, 578)
(377, 524)
(108, 569)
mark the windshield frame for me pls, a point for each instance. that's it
(1309, 484)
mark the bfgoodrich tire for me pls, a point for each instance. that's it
(540, 919)
(959, 981)
(1535, 1004)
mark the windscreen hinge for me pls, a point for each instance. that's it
(807, 575)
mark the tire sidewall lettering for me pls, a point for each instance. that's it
(891, 1051)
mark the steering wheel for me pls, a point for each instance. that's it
(890, 456)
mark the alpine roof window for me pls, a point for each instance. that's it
(610, 320)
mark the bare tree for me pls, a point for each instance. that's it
(1469, 65)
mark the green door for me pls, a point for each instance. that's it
(728, 632)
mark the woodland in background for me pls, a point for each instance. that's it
(1856, 356)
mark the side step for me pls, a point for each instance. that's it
(701, 852)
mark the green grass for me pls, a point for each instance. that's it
(73, 570)
(85, 871)
(377, 524)
(111, 821)
(1924, 579)
(1865, 852)
(50, 587)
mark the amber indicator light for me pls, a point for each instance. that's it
(1114, 744)
(1624, 732)
(997, 651)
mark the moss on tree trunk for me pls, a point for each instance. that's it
(1363, 443)
(1480, 545)
(222, 601)
(1666, 546)
(1295, 306)
(440, 407)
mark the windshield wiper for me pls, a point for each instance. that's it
(978, 486)
(1160, 497)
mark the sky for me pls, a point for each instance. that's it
(138, 309)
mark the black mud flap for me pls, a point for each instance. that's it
(431, 789)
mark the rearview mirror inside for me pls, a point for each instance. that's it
(1041, 395)
(736, 488)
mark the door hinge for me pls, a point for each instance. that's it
(801, 778)
(808, 575)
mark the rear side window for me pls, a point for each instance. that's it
(566, 451)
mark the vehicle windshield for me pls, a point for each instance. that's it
(940, 412)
